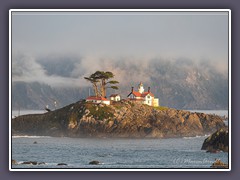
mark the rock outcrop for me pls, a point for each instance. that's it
(219, 164)
(61, 164)
(94, 162)
(14, 162)
(218, 141)
(121, 119)
(33, 163)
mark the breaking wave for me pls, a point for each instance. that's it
(194, 137)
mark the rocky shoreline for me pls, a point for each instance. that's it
(122, 119)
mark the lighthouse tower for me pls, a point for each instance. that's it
(140, 88)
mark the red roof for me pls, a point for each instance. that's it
(144, 94)
(96, 98)
(114, 95)
(137, 94)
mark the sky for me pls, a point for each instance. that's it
(98, 39)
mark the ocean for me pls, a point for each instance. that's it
(76, 153)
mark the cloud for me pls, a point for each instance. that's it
(26, 68)
(69, 71)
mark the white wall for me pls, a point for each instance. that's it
(99, 101)
(117, 98)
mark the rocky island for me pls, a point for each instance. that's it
(122, 119)
(218, 141)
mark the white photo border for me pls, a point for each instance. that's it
(121, 11)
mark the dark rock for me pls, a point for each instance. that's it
(217, 142)
(213, 151)
(35, 142)
(30, 162)
(61, 164)
(94, 163)
(41, 163)
(219, 164)
(14, 161)
(33, 163)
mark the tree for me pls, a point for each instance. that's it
(94, 82)
(100, 82)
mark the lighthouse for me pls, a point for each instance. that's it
(140, 88)
(143, 97)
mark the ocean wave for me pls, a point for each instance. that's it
(25, 136)
(194, 137)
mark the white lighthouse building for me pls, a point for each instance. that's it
(143, 97)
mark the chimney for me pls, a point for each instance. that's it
(132, 89)
(148, 89)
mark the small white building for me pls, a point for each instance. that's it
(143, 97)
(115, 97)
(98, 100)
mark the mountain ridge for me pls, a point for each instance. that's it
(180, 84)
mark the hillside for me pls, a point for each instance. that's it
(180, 84)
(122, 119)
(37, 95)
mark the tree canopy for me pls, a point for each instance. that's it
(101, 82)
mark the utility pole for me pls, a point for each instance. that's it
(55, 104)
(18, 110)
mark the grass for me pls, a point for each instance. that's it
(161, 108)
(118, 106)
(99, 112)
